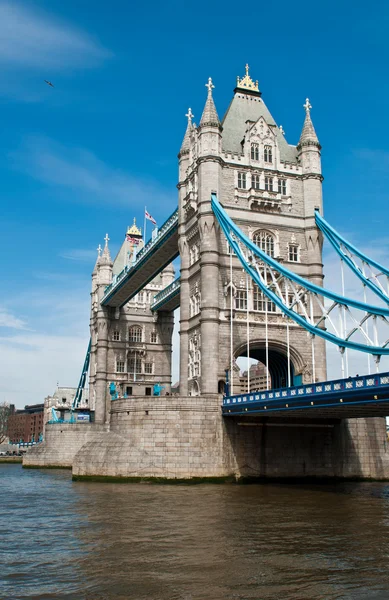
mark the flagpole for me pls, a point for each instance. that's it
(144, 229)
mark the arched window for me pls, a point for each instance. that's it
(254, 152)
(265, 241)
(268, 154)
(135, 334)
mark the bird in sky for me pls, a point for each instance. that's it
(48, 83)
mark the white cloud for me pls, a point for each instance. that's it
(80, 254)
(31, 365)
(32, 39)
(7, 319)
(80, 170)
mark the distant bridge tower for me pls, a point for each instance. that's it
(131, 346)
(270, 189)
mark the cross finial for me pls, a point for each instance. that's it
(307, 106)
(106, 239)
(190, 115)
(282, 130)
(247, 69)
(99, 249)
(209, 85)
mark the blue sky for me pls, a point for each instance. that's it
(85, 157)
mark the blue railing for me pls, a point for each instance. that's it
(352, 384)
(168, 292)
(170, 223)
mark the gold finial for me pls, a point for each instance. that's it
(246, 83)
(134, 230)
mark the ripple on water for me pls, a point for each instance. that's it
(66, 540)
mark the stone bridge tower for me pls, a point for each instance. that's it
(270, 188)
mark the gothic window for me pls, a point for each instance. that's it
(242, 181)
(254, 152)
(282, 186)
(293, 253)
(255, 182)
(141, 297)
(148, 368)
(120, 366)
(268, 154)
(153, 337)
(194, 357)
(135, 365)
(116, 336)
(265, 241)
(241, 300)
(269, 184)
(135, 334)
(194, 254)
(262, 303)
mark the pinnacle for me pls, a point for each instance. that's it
(210, 116)
(105, 258)
(308, 133)
(186, 141)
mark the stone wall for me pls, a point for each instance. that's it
(187, 437)
(62, 442)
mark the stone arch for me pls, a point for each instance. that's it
(278, 361)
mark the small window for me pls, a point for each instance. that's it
(268, 154)
(241, 299)
(242, 181)
(120, 366)
(153, 337)
(141, 297)
(135, 334)
(282, 186)
(293, 253)
(269, 184)
(148, 368)
(255, 182)
(116, 336)
(148, 391)
(254, 152)
(129, 390)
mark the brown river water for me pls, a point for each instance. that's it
(99, 541)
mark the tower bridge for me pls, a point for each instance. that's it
(249, 232)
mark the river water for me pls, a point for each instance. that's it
(99, 541)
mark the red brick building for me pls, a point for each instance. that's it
(26, 424)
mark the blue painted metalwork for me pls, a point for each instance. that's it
(232, 233)
(328, 393)
(81, 384)
(336, 241)
(167, 230)
(169, 292)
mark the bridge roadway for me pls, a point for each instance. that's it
(356, 397)
(151, 260)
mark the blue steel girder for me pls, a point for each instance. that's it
(151, 260)
(349, 254)
(307, 307)
(360, 396)
(168, 298)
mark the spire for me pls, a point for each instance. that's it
(186, 141)
(97, 260)
(105, 258)
(308, 134)
(210, 116)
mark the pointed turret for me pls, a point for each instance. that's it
(209, 116)
(308, 134)
(105, 258)
(99, 249)
(185, 146)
